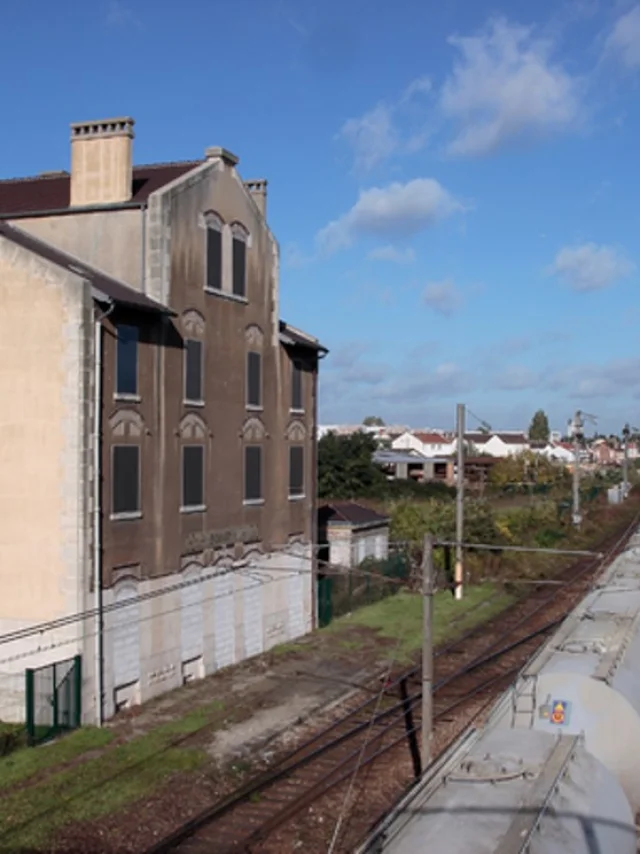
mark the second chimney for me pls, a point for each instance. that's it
(258, 190)
(101, 162)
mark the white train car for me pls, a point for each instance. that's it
(557, 767)
(586, 679)
(504, 791)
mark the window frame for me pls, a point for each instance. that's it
(193, 401)
(117, 392)
(239, 235)
(254, 407)
(124, 515)
(297, 496)
(202, 506)
(255, 501)
(296, 370)
(213, 223)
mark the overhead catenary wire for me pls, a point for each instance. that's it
(256, 571)
(79, 616)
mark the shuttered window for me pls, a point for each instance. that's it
(254, 379)
(214, 259)
(193, 370)
(126, 359)
(296, 387)
(296, 471)
(252, 473)
(193, 476)
(239, 267)
(125, 480)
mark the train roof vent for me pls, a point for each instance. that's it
(581, 647)
(493, 769)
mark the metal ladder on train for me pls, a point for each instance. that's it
(524, 701)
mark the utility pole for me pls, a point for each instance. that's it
(576, 427)
(460, 414)
(626, 430)
(427, 651)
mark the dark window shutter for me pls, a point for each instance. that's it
(125, 485)
(254, 380)
(239, 267)
(296, 386)
(214, 259)
(252, 473)
(296, 470)
(193, 370)
(192, 476)
(126, 359)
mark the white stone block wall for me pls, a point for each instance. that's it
(228, 613)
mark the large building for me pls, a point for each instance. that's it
(158, 436)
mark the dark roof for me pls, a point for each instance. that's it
(293, 337)
(105, 288)
(51, 192)
(351, 513)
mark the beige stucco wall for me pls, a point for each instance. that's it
(44, 451)
(108, 240)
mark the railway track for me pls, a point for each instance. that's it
(471, 670)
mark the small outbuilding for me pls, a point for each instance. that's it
(349, 533)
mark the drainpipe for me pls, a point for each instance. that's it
(97, 513)
(314, 497)
(143, 242)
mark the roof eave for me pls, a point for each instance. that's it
(156, 308)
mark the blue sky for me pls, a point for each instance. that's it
(455, 190)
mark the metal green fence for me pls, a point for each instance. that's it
(373, 580)
(53, 699)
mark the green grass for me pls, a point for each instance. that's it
(90, 790)
(399, 618)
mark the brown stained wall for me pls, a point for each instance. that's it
(157, 541)
(131, 543)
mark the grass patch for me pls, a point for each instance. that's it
(100, 787)
(287, 649)
(29, 761)
(399, 618)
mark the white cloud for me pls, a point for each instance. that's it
(590, 267)
(516, 378)
(294, 258)
(398, 209)
(624, 39)
(442, 297)
(390, 253)
(121, 16)
(504, 87)
(372, 136)
(375, 135)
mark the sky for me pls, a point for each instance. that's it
(454, 186)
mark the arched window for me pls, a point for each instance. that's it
(214, 227)
(239, 244)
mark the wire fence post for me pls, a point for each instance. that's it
(427, 650)
(460, 414)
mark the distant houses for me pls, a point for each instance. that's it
(430, 455)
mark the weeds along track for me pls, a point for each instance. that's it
(469, 672)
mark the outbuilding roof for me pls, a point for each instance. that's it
(351, 513)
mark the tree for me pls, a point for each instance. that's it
(346, 468)
(539, 427)
(373, 421)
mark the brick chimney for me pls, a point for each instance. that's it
(101, 162)
(258, 190)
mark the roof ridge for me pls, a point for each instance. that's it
(56, 175)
